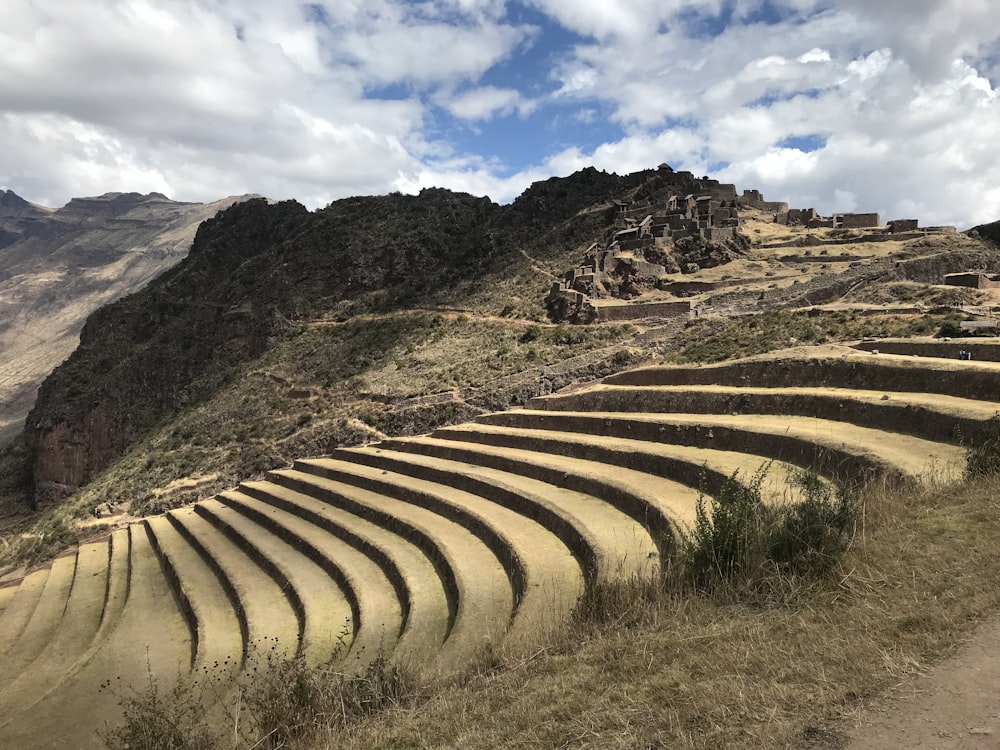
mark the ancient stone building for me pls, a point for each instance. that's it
(973, 280)
(856, 221)
(897, 226)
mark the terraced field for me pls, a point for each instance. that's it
(430, 549)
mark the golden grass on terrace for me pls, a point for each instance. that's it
(781, 666)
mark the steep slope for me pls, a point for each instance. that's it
(58, 266)
(425, 550)
(255, 273)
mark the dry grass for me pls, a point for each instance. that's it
(784, 665)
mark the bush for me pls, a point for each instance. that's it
(810, 536)
(982, 457)
(736, 536)
(724, 542)
(951, 329)
(531, 333)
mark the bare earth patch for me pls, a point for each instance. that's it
(953, 707)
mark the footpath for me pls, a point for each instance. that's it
(955, 706)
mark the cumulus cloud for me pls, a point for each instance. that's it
(888, 105)
(485, 102)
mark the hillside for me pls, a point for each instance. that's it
(287, 332)
(59, 265)
(168, 456)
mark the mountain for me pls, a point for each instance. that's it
(989, 232)
(256, 269)
(59, 265)
(285, 332)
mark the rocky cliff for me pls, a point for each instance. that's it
(59, 265)
(257, 271)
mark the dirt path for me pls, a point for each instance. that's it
(956, 706)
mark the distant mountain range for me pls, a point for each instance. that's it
(59, 265)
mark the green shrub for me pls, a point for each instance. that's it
(810, 536)
(737, 537)
(531, 333)
(725, 540)
(982, 457)
(950, 328)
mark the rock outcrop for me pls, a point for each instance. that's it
(59, 265)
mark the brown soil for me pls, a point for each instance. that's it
(955, 706)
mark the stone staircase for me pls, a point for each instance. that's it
(431, 549)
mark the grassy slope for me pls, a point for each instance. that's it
(788, 665)
(767, 668)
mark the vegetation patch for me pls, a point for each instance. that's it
(270, 705)
(654, 665)
(706, 340)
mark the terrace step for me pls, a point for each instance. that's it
(480, 601)
(659, 505)
(322, 605)
(6, 594)
(606, 542)
(377, 616)
(944, 419)
(117, 580)
(267, 615)
(17, 614)
(704, 469)
(849, 369)
(544, 575)
(218, 633)
(151, 637)
(842, 450)
(986, 350)
(44, 620)
(78, 626)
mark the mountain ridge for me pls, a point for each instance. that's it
(58, 265)
(259, 275)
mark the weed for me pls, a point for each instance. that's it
(736, 536)
(726, 538)
(982, 457)
(272, 703)
(809, 537)
(158, 720)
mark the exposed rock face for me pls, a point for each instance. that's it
(251, 270)
(58, 266)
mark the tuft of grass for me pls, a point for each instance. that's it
(982, 457)
(737, 538)
(274, 703)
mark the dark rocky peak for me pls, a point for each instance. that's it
(107, 205)
(17, 216)
(11, 200)
(989, 232)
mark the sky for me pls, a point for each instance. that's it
(841, 105)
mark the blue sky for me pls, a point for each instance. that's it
(842, 105)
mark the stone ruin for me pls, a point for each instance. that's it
(811, 219)
(682, 226)
(688, 225)
(973, 280)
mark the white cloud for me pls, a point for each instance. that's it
(486, 102)
(202, 98)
